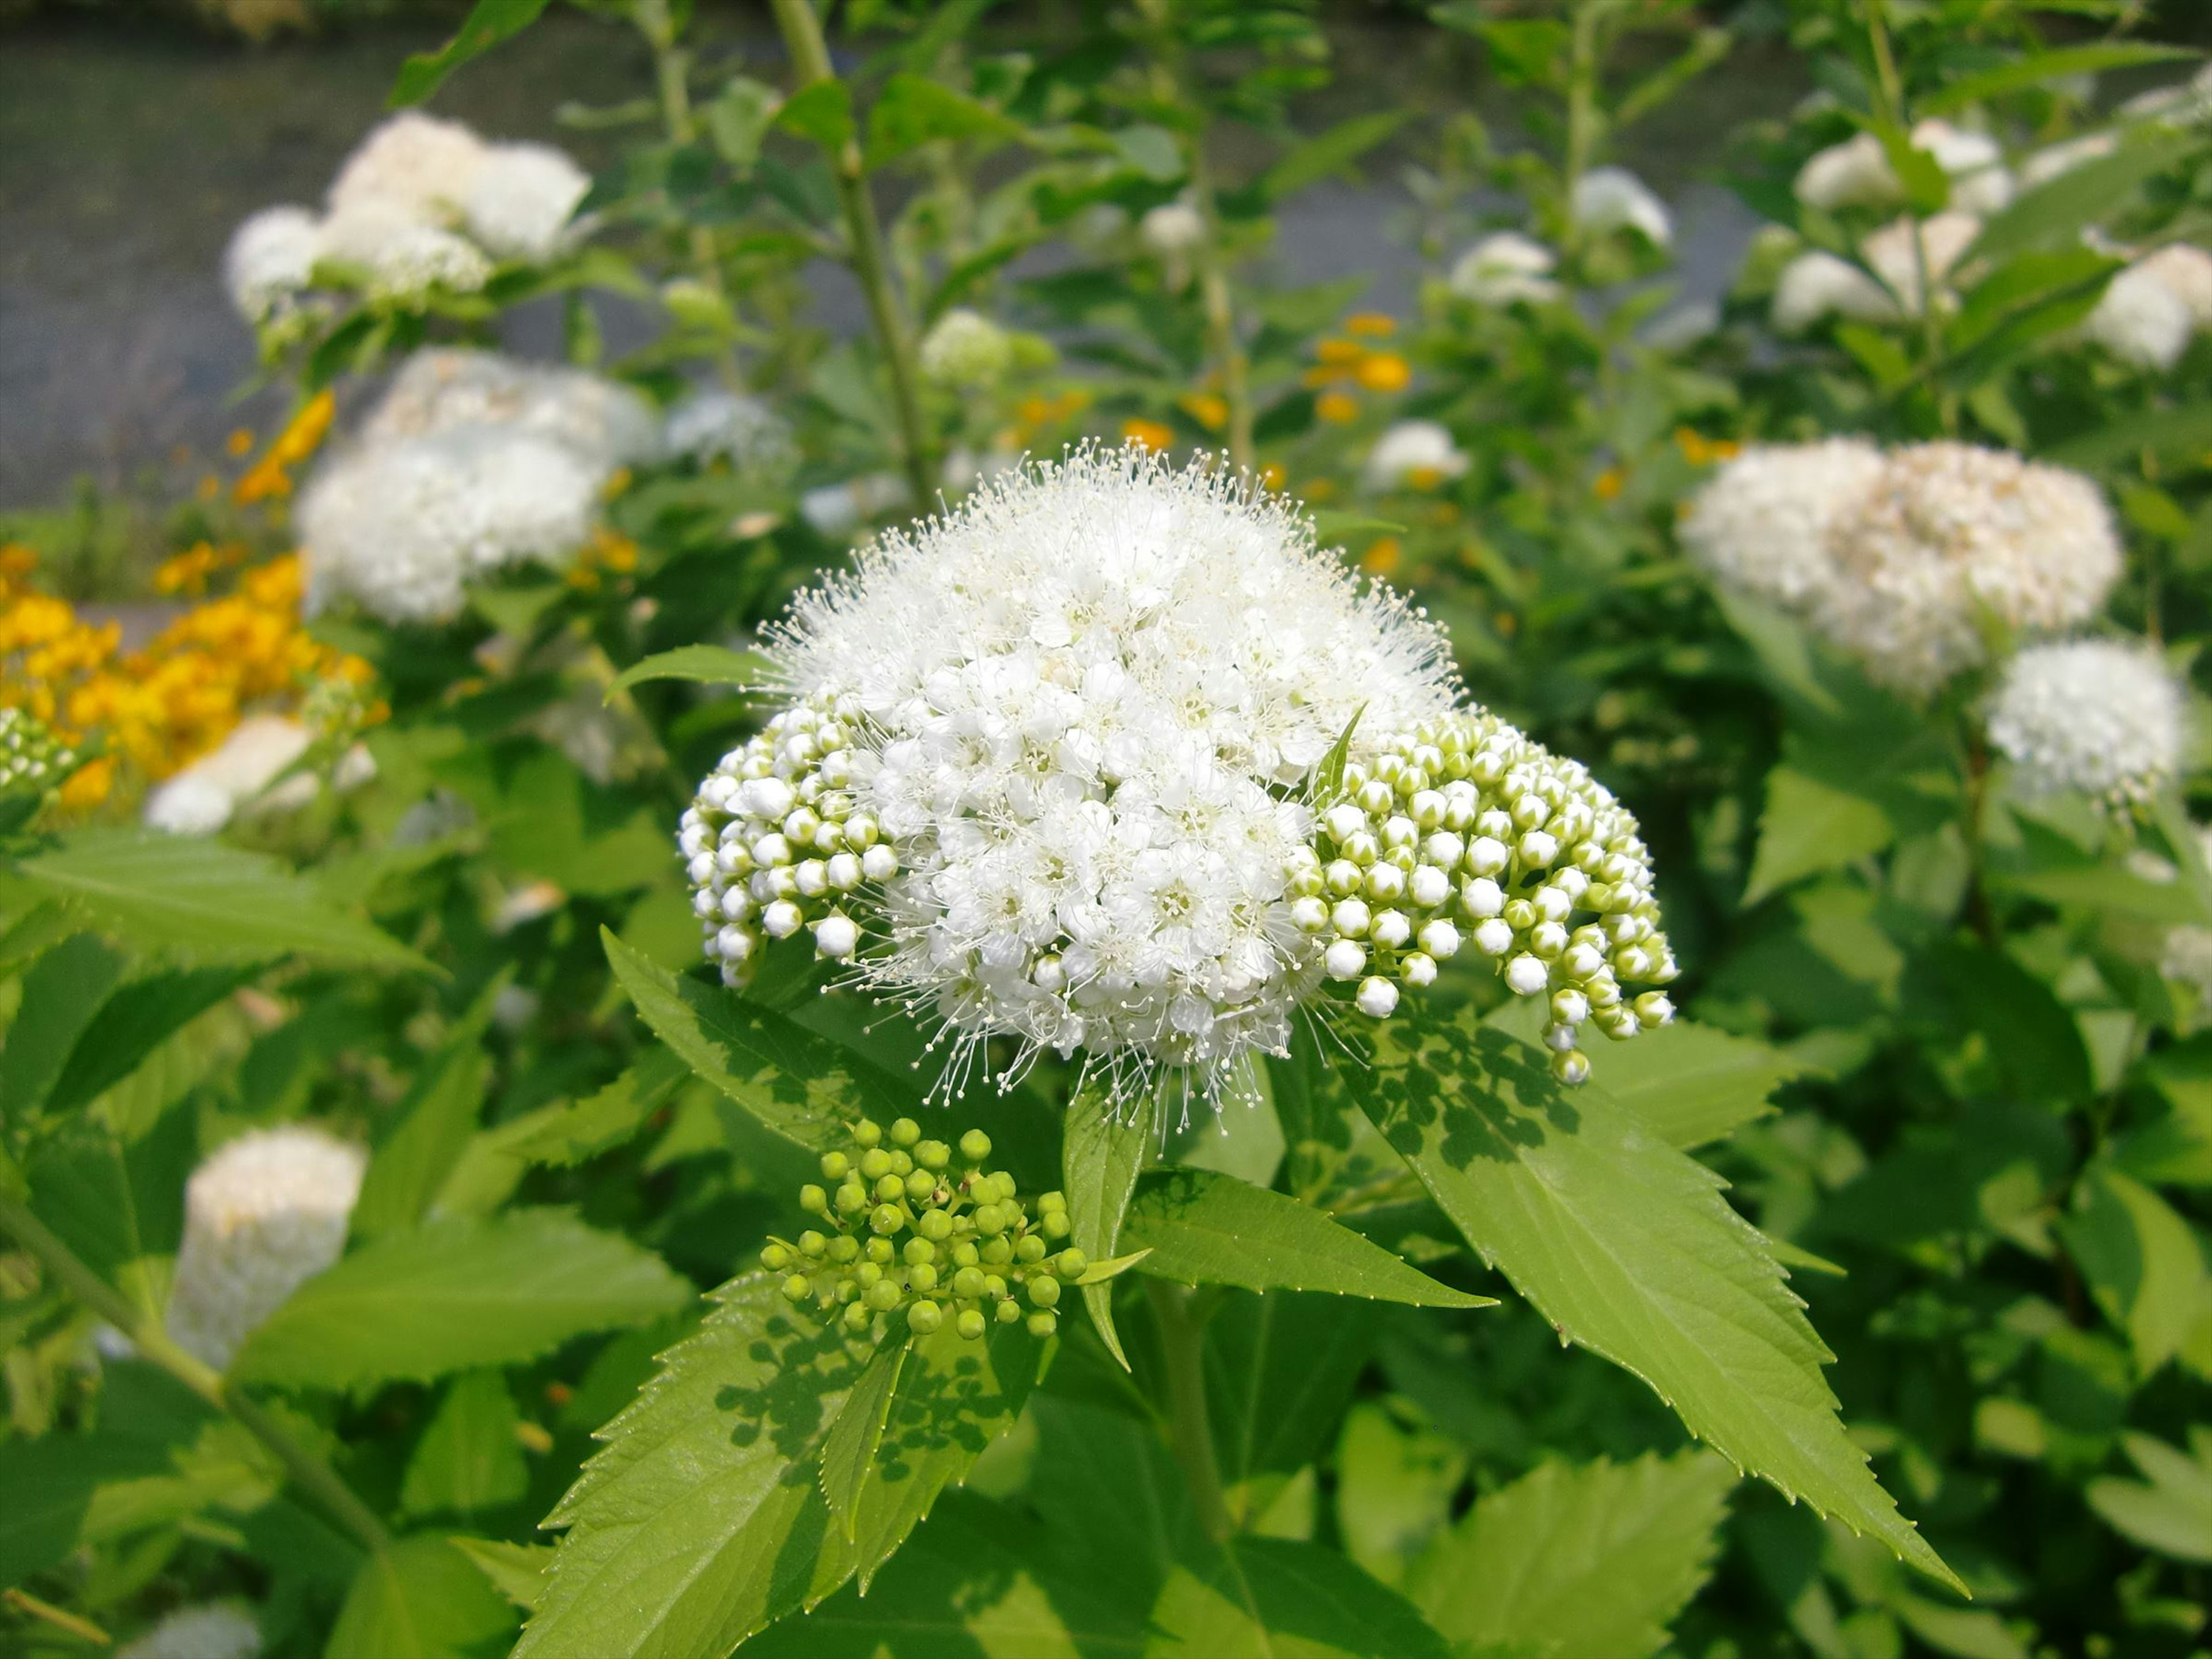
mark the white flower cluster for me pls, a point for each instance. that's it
(1464, 824)
(215, 1630)
(1506, 269)
(1817, 285)
(965, 349)
(1857, 173)
(423, 205)
(31, 758)
(2150, 311)
(1899, 563)
(2094, 716)
(745, 433)
(202, 798)
(1052, 769)
(472, 463)
(264, 1215)
(1172, 229)
(1418, 454)
(1609, 199)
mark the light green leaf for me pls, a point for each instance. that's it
(1693, 1083)
(115, 1203)
(51, 1483)
(2055, 212)
(562, 1135)
(1327, 153)
(1272, 1598)
(489, 22)
(1573, 1560)
(434, 1125)
(1809, 826)
(63, 994)
(419, 1599)
(516, 1571)
(1627, 1246)
(822, 111)
(207, 899)
(468, 1458)
(805, 1088)
(1394, 1485)
(1100, 1159)
(2142, 1261)
(913, 110)
(2037, 69)
(1207, 1229)
(2170, 1510)
(1280, 1371)
(712, 664)
(849, 1453)
(456, 1295)
(129, 1026)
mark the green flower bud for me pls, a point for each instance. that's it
(1045, 1292)
(811, 1245)
(796, 1288)
(1051, 1203)
(967, 1284)
(932, 1155)
(902, 1165)
(924, 1316)
(919, 1250)
(975, 1145)
(1071, 1265)
(990, 1220)
(875, 1163)
(971, 1324)
(1009, 1312)
(922, 1278)
(844, 1248)
(890, 1189)
(868, 1274)
(883, 1296)
(880, 1252)
(905, 1132)
(936, 1226)
(868, 1133)
(774, 1258)
(1007, 1189)
(994, 1287)
(852, 1198)
(1042, 1323)
(857, 1315)
(1056, 1224)
(997, 1252)
(813, 1200)
(885, 1219)
(1029, 1248)
(965, 1254)
(847, 1291)
(919, 1185)
(833, 1166)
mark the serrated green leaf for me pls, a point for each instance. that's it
(710, 664)
(489, 22)
(116, 1204)
(1273, 1598)
(849, 1452)
(2055, 212)
(1396, 1483)
(2170, 1510)
(419, 1598)
(206, 898)
(1207, 1229)
(1572, 1561)
(1694, 1083)
(1100, 1158)
(1280, 1371)
(1627, 1246)
(805, 1088)
(467, 1458)
(2142, 1261)
(62, 995)
(1809, 826)
(459, 1294)
(913, 110)
(516, 1571)
(434, 1124)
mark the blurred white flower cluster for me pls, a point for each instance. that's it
(2151, 311)
(1889, 287)
(1857, 173)
(2098, 716)
(473, 462)
(264, 1215)
(1508, 267)
(1900, 559)
(422, 206)
(731, 429)
(215, 1630)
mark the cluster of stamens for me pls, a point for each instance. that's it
(774, 842)
(1467, 832)
(916, 1230)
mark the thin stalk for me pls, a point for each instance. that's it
(309, 1473)
(671, 73)
(1979, 915)
(809, 57)
(1889, 90)
(1189, 1428)
(1582, 116)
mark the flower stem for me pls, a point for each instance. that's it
(809, 57)
(672, 71)
(1581, 117)
(309, 1473)
(1190, 1429)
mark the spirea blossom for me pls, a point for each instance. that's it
(1419, 454)
(2092, 715)
(1608, 199)
(1816, 285)
(2055, 160)
(401, 259)
(744, 432)
(416, 163)
(267, 1213)
(201, 799)
(1858, 172)
(31, 759)
(602, 422)
(1890, 252)
(1049, 771)
(2150, 312)
(964, 347)
(1504, 268)
(1899, 563)
(270, 261)
(1172, 228)
(519, 201)
(217, 1630)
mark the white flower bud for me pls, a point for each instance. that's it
(1377, 998)
(1418, 971)
(1631, 962)
(781, 919)
(1440, 939)
(1560, 1038)
(1390, 929)
(1343, 820)
(693, 841)
(771, 851)
(1525, 976)
(1399, 832)
(1345, 960)
(1486, 856)
(1363, 849)
(1581, 963)
(701, 870)
(1482, 896)
(1653, 1008)
(813, 878)
(1350, 918)
(1537, 850)
(1551, 904)
(767, 798)
(1428, 808)
(1049, 975)
(733, 942)
(843, 870)
(1386, 884)
(1309, 916)
(878, 863)
(1494, 937)
(1572, 1068)
(1429, 886)
(704, 904)
(1344, 877)
(1445, 850)
(737, 904)
(836, 937)
(1547, 939)
(1570, 1008)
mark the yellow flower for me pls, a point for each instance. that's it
(1384, 371)
(270, 476)
(240, 441)
(1271, 476)
(1347, 352)
(1208, 409)
(1382, 557)
(1153, 435)
(1337, 406)
(1372, 323)
(88, 786)
(1607, 488)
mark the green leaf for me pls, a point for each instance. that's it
(1100, 1159)
(2030, 1035)
(116, 1203)
(1327, 153)
(456, 1295)
(913, 110)
(2142, 1261)
(63, 994)
(206, 898)
(1809, 826)
(822, 112)
(2183, 431)
(2170, 1510)
(562, 1135)
(849, 1453)
(468, 1458)
(1207, 1229)
(1279, 1372)
(1394, 1487)
(805, 1088)
(1572, 1561)
(137, 1020)
(1112, 1497)
(2038, 68)
(711, 664)
(1273, 1598)
(489, 22)
(516, 1571)
(1694, 1083)
(1627, 1246)
(50, 1483)
(703, 1520)
(434, 1125)
(1329, 776)
(2056, 211)
(419, 1599)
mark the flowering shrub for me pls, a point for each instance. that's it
(941, 992)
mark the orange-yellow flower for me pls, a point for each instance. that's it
(1371, 324)
(240, 441)
(88, 786)
(1382, 557)
(1208, 409)
(1337, 406)
(1384, 371)
(1155, 435)
(1607, 486)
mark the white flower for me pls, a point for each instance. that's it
(964, 347)
(262, 1216)
(2187, 271)
(1973, 162)
(1420, 453)
(413, 163)
(1890, 252)
(746, 432)
(2092, 715)
(1504, 268)
(403, 526)
(2186, 104)
(217, 1630)
(1854, 173)
(2141, 321)
(1763, 523)
(1858, 172)
(519, 200)
(1172, 228)
(2055, 160)
(1608, 199)
(203, 797)
(1817, 285)
(402, 259)
(270, 261)
(604, 423)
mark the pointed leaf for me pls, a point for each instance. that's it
(62, 995)
(419, 1599)
(849, 1453)
(711, 664)
(1273, 1598)
(489, 22)
(1627, 1246)
(1099, 1162)
(1207, 1229)
(2170, 1510)
(1693, 1084)
(434, 1126)
(516, 1571)
(138, 1019)
(468, 1458)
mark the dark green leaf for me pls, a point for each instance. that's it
(63, 994)
(434, 1124)
(489, 22)
(1694, 1084)
(50, 1483)
(468, 1458)
(2170, 1510)
(1273, 1598)
(2056, 211)
(1100, 1159)
(2037, 69)
(1810, 826)
(516, 1571)
(913, 110)
(1280, 1371)
(137, 1020)
(823, 112)
(2142, 1261)
(1327, 153)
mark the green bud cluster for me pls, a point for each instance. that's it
(1466, 832)
(912, 1233)
(774, 842)
(31, 759)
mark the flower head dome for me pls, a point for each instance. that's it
(1763, 523)
(604, 423)
(262, 1216)
(216, 1630)
(1504, 268)
(518, 202)
(1057, 753)
(1172, 228)
(415, 164)
(1816, 285)
(746, 432)
(2092, 715)
(1419, 454)
(1608, 199)
(271, 259)
(964, 347)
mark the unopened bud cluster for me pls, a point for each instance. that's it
(31, 758)
(774, 842)
(913, 1232)
(1464, 833)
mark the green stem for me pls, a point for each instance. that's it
(1189, 1427)
(1979, 915)
(672, 73)
(1889, 92)
(809, 57)
(1581, 117)
(309, 1473)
